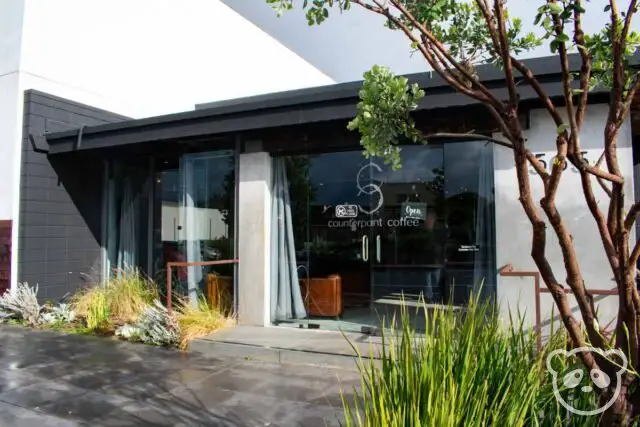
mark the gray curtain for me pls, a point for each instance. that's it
(192, 227)
(286, 298)
(127, 232)
(112, 227)
(483, 269)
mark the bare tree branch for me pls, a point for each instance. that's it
(568, 95)
(635, 254)
(368, 6)
(618, 72)
(626, 105)
(600, 180)
(488, 17)
(504, 52)
(467, 136)
(631, 216)
(440, 49)
(585, 69)
(616, 179)
(535, 84)
(631, 10)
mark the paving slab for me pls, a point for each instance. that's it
(51, 379)
(289, 345)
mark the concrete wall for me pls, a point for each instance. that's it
(513, 230)
(59, 246)
(254, 238)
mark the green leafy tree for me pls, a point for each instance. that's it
(454, 37)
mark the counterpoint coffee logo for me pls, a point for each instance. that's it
(351, 211)
(579, 377)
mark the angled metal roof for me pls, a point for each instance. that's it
(324, 103)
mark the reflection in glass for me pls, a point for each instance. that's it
(411, 264)
(286, 294)
(194, 222)
(442, 251)
(127, 210)
(470, 219)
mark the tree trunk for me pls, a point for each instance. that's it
(619, 414)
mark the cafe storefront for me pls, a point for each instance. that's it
(323, 237)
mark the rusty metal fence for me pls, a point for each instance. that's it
(508, 271)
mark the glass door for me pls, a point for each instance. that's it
(409, 233)
(340, 234)
(330, 201)
(434, 233)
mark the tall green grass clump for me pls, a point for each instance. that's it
(129, 292)
(97, 314)
(122, 299)
(198, 320)
(468, 369)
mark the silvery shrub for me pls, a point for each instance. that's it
(58, 314)
(155, 326)
(20, 303)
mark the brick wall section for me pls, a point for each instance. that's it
(60, 201)
(5, 254)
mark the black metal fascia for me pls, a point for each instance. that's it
(34, 144)
(335, 102)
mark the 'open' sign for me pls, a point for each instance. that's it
(412, 210)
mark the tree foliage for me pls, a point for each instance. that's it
(454, 37)
(383, 114)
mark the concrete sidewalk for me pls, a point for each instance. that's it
(48, 379)
(288, 345)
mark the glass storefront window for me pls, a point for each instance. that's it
(468, 188)
(194, 223)
(181, 209)
(127, 211)
(424, 231)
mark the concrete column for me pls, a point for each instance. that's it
(254, 238)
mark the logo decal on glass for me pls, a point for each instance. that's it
(346, 211)
(370, 189)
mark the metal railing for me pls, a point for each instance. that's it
(507, 270)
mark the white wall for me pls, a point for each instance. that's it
(11, 14)
(513, 229)
(208, 224)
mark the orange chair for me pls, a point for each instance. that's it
(322, 296)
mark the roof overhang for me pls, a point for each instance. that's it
(299, 107)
